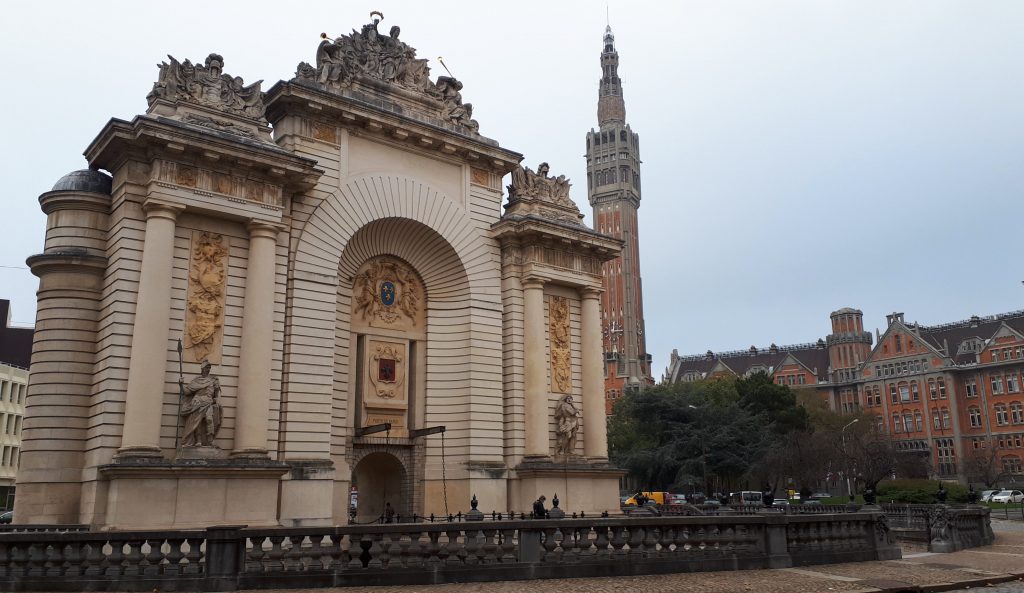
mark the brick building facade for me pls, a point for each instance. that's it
(613, 188)
(950, 393)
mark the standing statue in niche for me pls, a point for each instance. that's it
(201, 410)
(567, 419)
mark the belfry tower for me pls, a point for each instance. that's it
(613, 187)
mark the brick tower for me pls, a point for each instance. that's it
(848, 346)
(613, 187)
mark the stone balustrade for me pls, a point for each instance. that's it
(231, 558)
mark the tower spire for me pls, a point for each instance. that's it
(610, 105)
(613, 189)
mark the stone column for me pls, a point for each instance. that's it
(146, 370)
(595, 438)
(535, 369)
(256, 352)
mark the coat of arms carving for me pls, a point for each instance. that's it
(387, 292)
(387, 371)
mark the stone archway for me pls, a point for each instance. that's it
(380, 478)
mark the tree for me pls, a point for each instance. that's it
(758, 394)
(983, 465)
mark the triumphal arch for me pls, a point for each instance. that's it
(278, 299)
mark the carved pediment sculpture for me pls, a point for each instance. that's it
(369, 54)
(549, 195)
(206, 84)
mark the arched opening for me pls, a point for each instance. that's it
(379, 478)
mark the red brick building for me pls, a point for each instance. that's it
(950, 393)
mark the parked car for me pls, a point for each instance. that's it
(986, 495)
(812, 501)
(820, 495)
(1008, 496)
(6, 517)
(675, 499)
(780, 502)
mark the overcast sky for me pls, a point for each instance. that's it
(798, 156)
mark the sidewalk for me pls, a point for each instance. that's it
(917, 571)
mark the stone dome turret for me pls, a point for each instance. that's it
(84, 180)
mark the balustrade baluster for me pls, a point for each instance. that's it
(549, 544)
(618, 542)
(508, 545)
(114, 565)
(293, 552)
(133, 559)
(315, 555)
(385, 543)
(473, 546)
(275, 555)
(456, 552)
(601, 544)
(407, 551)
(440, 548)
(151, 560)
(490, 547)
(94, 559)
(651, 536)
(194, 556)
(255, 555)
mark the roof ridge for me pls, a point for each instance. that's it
(973, 319)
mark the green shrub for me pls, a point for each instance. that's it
(918, 491)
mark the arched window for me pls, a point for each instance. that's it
(896, 426)
(932, 391)
(914, 395)
(918, 421)
(908, 422)
(975, 415)
(904, 389)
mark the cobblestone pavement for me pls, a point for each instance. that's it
(918, 568)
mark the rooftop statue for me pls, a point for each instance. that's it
(527, 184)
(369, 54)
(206, 84)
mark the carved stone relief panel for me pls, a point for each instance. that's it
(484, 178)
(388, 294)
(204, 307)
(203, 180)
(560, 345)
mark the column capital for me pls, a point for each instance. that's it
(590, 292)
(261, 228)
(160, 209)
(533, 282)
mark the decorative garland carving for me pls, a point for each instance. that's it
(561, 350)
(387, 291)
(207, 279)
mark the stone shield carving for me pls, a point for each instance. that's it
(387, 293)
(207, 279)
(387, 372)
(560, 345)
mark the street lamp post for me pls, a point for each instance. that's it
(842, 433)
(703, 457)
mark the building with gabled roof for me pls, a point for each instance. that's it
(950, 393)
